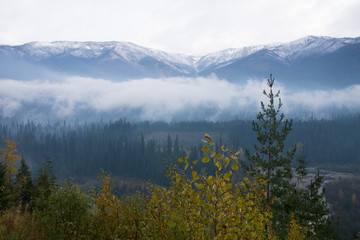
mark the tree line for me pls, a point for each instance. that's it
(129, 149)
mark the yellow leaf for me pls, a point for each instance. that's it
(235, 167)
(218, 165)
(177, 178)
(8, 156)
(194, 175)
(205, 148)
(200, 186)
(205, 159)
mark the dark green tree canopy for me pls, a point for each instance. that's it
(24, 185)
(284, 170)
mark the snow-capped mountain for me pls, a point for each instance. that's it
(120, 60)
(310, 60)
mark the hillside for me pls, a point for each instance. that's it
(312, 62)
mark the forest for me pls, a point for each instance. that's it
(129, 149)
(180, 180)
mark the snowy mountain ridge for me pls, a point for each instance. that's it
(133, 53)
(311, 59)
(312, 45)
(286, 52)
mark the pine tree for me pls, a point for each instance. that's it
(177, 152)
(4, 188)
(23, 185)
(45, 184)
(284, 171)
(169, 146)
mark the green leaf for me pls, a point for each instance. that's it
(205, 159)
(218, 156)
(181, 159)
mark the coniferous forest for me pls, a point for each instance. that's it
(181, 180)
(130, 148)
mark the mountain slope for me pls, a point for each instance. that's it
(114, 60)
(313, 61)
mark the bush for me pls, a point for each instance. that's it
(202, 202)
(67, 214)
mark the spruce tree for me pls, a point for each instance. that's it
(4, 188)
(284, 172)
(169, 146)
(176, 152)
(23, 185)
(44, 185)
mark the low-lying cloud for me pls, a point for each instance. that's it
(160, 99)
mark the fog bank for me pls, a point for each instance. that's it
(167, 99)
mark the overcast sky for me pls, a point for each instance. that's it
(182, 26)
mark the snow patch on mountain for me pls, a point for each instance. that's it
(311, 45)
(283, 52)
(191, 65)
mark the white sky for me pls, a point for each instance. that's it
(181, 26)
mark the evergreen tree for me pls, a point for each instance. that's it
(271, 162)
(24, 185)
(4, 191)
(45, 184)
(169, 146)
(177, 152)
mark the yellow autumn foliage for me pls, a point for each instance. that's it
(204, 205)
(9, 157)
(295, 232)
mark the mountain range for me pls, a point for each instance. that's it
(310, 62)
